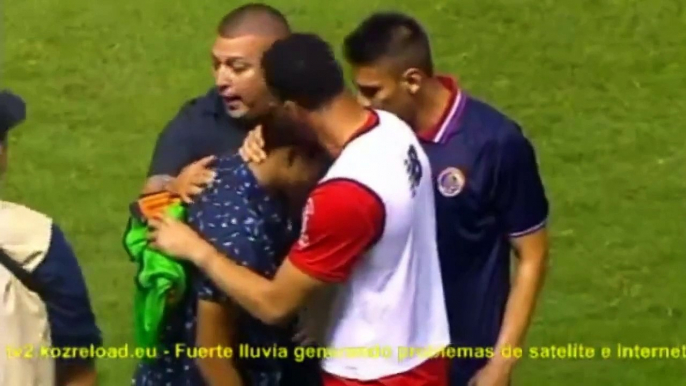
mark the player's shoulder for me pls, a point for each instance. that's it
(370, 153)
(204, 103)
(392, 127)
(391, 120)
(484, 125)
(232, 173)
(190, 115)
(387, 133)
(24, 233)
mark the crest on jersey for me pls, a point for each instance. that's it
(450, 182)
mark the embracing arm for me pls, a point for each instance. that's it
(341, 221)
(271, 301)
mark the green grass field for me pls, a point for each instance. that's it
(597, 84)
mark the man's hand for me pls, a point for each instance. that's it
(178, 240)
(193, 179)
(496, 372)
(253, 147)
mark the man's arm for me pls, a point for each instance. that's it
(216, 328)
(532, 253)
(271, 301)
(523, 208)
(342, 220)
(72, 322)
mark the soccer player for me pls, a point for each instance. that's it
(489, 196)
(45, 301)
(217, 122)
(368, 228)
(246, 213)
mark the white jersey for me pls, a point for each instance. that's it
(393, 301)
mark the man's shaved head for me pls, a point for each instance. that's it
(242, 37)
(255, 19)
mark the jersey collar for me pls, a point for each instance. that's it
(370, 123)
(451, 112)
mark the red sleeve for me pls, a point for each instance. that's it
(341, 221)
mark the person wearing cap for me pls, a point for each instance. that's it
(44, 302)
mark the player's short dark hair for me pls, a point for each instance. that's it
(302, 68)
(284, 133)
(267, 18)
(389, 36)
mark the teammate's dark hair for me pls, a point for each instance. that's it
(281, 133)
(390, 36)
(302, 68)
(254, 18)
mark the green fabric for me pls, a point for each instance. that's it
(160, 281)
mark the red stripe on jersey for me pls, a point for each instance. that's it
(341, 221)
(429, 134)
(371, 122)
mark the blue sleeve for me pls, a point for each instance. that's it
(520, 196)
(173, 147)
(71, 318)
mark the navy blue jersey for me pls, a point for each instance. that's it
(243, 222)
(488, 191)
(202, 127)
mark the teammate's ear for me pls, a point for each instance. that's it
(412, 80)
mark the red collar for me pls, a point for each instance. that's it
(370, 123)
(435, 133)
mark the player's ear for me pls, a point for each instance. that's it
(412, 79)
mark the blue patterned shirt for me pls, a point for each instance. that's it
(242, 221)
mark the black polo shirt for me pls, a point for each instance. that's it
(200, 128)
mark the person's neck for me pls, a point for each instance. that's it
(265, 176)
(432, 102)
(340, 121)
(248, 123)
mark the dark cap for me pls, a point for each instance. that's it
(12, 111)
